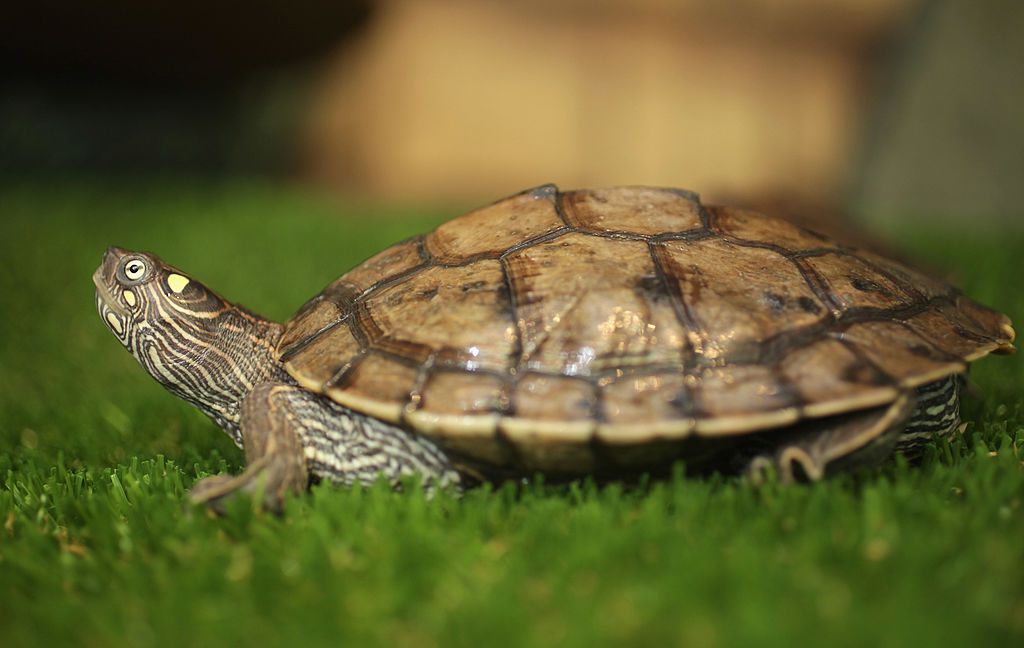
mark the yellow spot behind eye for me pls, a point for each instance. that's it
(115, 323)
(177, 282)
(129, 297)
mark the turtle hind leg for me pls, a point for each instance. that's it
(936, 415)
(820, 447)
(275, 462)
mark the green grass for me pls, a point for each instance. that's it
(97, 545)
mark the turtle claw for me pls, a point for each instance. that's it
(214, 492)
(789, 466)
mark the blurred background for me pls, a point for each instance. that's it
(884, 109)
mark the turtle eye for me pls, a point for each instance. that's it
(135, 269)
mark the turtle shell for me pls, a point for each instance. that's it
(551, 328)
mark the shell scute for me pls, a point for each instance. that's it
(728, 395)
(903, 355)
(461, 408)
(827, 371)
(580, 310)
(545, 397)
(385, 265)
(374, 378)
(322, 357)
(852, 283)
(522, 217)
(462, 393)
(459, 315)
(317, 315)
(645, 211)
(650, 399)
(951, 331)
(757, 228)
(738, 296)
(988, 322)
(913, 280)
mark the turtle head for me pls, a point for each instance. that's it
(141, 299)
(195, 343)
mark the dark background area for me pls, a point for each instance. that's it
(897, 109)
(123, 87)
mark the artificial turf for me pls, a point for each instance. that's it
(98, 546)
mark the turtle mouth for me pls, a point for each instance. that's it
(104, 298)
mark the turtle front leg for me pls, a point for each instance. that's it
(292, 437)
(275, 463)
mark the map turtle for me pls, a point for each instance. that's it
(604, 332)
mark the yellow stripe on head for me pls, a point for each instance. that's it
(115, 323)
(129, 298)
(177, 282)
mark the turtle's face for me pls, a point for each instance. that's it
(152, 308)
(196, 344)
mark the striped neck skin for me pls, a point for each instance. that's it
(198, 345)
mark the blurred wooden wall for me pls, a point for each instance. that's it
(449, 98)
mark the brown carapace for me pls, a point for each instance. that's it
(598, 330)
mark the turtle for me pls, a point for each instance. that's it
(604, 332)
